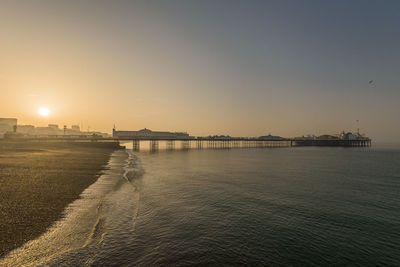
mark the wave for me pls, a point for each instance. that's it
(133, 168)
(76, 238)
(134, 171)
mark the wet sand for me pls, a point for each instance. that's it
(38, 180)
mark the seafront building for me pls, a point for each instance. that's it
(7, 125)
(26, 129)
(271, 137)
(147, 133)
(10, 127)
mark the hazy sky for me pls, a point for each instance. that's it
(207, 67)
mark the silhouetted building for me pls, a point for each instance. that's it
(26, 129)
(47, 131)
(53, 126)
(270, 137)
(348, 136)
(219, 137)
(7, 124)
(76, 128)
(307, 137)
(327, 137)
(146, 133)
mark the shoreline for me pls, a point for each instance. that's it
(39, 180)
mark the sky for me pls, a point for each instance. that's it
(243, 68)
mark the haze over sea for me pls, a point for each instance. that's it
(306, 206)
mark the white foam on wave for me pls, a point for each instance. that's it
(133, 171)
(85, 220)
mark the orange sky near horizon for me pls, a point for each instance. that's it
(215, 71)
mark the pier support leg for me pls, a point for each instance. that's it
(136, 145)
(170, 145)
(153, 145)
(199, 144)
(185, 144)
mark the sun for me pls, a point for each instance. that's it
(44, 112)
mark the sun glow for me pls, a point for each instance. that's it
(44, 111)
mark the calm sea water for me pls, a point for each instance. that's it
(265, 207)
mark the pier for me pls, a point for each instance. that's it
(333, 142)
(186, 142)
(209, 143)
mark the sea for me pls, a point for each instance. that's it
(298, 206)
